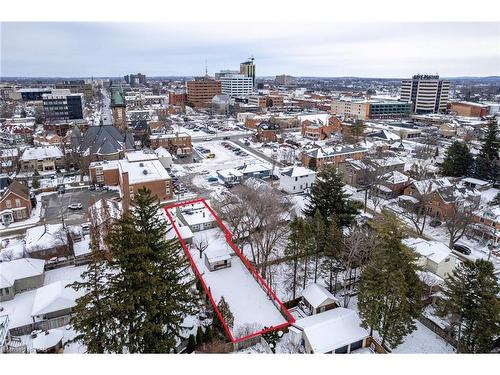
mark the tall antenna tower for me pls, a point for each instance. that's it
(206, 69)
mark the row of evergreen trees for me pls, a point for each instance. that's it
(459, 161)
(137, 295)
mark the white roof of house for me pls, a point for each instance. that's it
(140, 155)
(318, 295)
(162, 152)
(297, 171)
(144, 171)
(196, 213)
(256, 167)
(48, 339)
(45, 237)
(332, 329)
(230, 172)
(396, 177)
(54, 297)
(475, 181)
(217, 255)
(433, 250)
(19, 269)
(39, 153)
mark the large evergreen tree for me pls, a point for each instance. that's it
(472, 307)
(150, 289)
(486, 163)
(92, 317)
(458, 160)
(389, 289)
(327, 196)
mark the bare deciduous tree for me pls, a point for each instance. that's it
(201, 245)
(459, 219)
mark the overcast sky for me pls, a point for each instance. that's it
(301, 49)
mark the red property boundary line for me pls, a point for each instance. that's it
(238, 252)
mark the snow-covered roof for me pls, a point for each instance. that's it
(40, 153)
(54, 297)
(396, 177)
(332, 329)
(19, 269)
(254, 168)
(433, 250)
(297, 171)
(196, 214)
(217, 255)
(48, 339)
(429, 186)
(318, 295)
(105, 209)
(230, 172)
(162, 152)
(45, 237)
(475, 181)
(144, 171)
(139, 155)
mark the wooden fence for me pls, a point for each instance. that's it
(42, 325)
(444, 334)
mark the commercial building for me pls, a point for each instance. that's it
(468, 109)
(135, 79)
(42, 159)
(388, 109)
(201, 90)
(178, 144)
(177, 98)
(248, 69)
(138, 170)
(226, 72)
(236, 85)
(357, 109)
(78, 87)
(428, 93)
(34, 94)
(62, 105)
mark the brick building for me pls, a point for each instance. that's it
(320, 157)
(15, 203)
(178, 144)
(468, 109)
(201, 91)
(318, 130)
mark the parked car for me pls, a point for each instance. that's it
(75, 206)
(210, 156)
(462, 249)
(227, 137)
(85, 228)
(435, 223)
(212, 179)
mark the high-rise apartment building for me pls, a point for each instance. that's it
(62, 105)
(428, 93)
(236, 85)
(135, 79)
(201, 91)
(248, 69)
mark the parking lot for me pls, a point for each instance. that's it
(54, 205)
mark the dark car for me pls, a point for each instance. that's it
(435, 223)
(462, 249)
(226, 137)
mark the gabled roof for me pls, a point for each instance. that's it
(104, 140)
(297, 171)
(433, 250)
(318, 295)
(17, 188)
(19, 269)
(332, 329)
(54, 297)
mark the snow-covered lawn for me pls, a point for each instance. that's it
(247, 301)
(423, 340)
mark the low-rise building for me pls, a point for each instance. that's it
(319, 130)
(317, 299)
(41, 159)
(196, 216)
(336, 331)
(295, 179)
(178, 144)
(138, 170)
(19, 275)
(317, 158)
(15, 203)
(48, 241)
(468, 109)
(434, 256)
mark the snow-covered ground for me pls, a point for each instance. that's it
(246, 299)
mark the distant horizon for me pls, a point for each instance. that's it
(361, 50)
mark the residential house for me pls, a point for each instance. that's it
(296, 179)
(257, 170)
(19, 275)
(268, 132)
(54, 300)
(196, 216)
(48, 241)
(9, 158)
(230, 176)
(336, 331)
(434, 256)
(41, 159)
(317, 158)
(487, 224)
(444, 201)
(15, 203)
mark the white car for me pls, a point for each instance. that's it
(75, 206)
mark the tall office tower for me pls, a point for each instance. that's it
(248, 68)
(236, 85)
(428, 93)
(201, 90)
(62, 105)
(135, 79)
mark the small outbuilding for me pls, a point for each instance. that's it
(318, 299)
(216, 260)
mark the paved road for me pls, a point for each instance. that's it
(260, 154)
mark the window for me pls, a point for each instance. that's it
(342, 350)
(8, 203)
(356, 345)
(100, 178)
(18, 203)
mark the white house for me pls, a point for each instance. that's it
(434, 256)
(334, 331)
(230, 175)
(318, 299)
(296, 179)
(54, 300)
(164, 157)
(196, 216)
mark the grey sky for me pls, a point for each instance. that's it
(304, 49)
